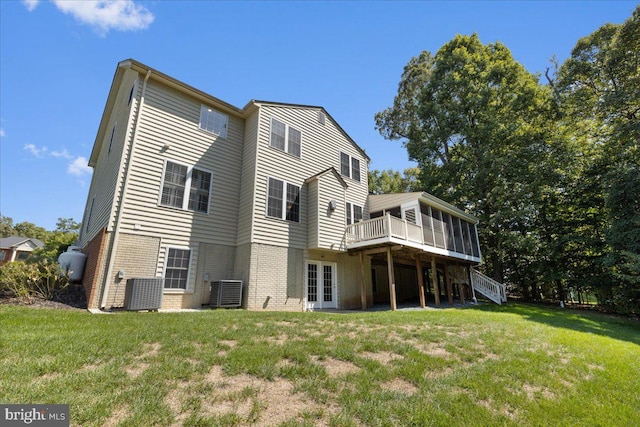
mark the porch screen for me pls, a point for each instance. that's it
(438, 228)
(427, 226)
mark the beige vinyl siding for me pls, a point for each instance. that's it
(170, 119)
(313, 226)
(321, 146)
(248, 176)
(331, 223)
(109, 171)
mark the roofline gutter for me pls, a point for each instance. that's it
(116, 230)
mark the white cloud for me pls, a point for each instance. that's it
(30, 4)
(104, 15)
(63, 154)
(79, 167)
(36, 151)
(2, 133)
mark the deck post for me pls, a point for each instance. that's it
(363, 291)
(447, 280)
(473, 289)
(420, 282)
(460, 284)
(392, 279)
(434, 277)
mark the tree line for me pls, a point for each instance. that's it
(551, 168)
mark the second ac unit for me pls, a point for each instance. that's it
(226, 293)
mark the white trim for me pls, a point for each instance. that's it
(187, 187)
(287, 127)
(284, 200)
(351, 159)
(187, 288)
(351, 212)
(319, 304)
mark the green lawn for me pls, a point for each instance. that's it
(488, 365)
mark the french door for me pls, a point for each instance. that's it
(321, 286)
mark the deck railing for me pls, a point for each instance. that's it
(384, 226)
(488, 287)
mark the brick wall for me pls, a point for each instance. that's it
(92, 276)
(137, 256)
(274, 278)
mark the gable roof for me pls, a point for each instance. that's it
(15, 241)
(204, 97)
(378, 202)
(314, 107)
(326, 171)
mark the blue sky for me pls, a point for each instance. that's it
(57, 60)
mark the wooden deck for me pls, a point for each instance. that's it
(391, 230)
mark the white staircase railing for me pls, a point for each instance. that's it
(488, 287)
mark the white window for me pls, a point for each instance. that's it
(285, 138)
(213, 121)
(177, 179)
(283, 200)
(176, 271)
(349, 166)
(354, 213)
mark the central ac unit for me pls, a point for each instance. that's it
(226, 293)
(143, 293)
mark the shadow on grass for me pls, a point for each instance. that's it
(578, 320)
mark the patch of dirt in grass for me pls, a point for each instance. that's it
(335, 367)
(173, 399)
(533, 391)
(435, 374)
(150, 350)
(400, 386)
(91, 367)
(135, 370)
(285, 323)
(279, 340)
(256, 401)
(435, 350)
(228, 343)
(49, 376)
(117, 416)
(593, 367)
(506, 409)
(384, 357)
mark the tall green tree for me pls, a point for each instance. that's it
(598, 88)
(480, 127)
(390, 181)
(6, 226)
(29, 229)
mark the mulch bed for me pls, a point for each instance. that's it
(71, 298)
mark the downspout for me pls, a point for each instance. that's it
(123, 192)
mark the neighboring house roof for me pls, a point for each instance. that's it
(378, 202)
(326, 171)
(16, 241)
(185, 88)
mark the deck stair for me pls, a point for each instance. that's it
(489, 288)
